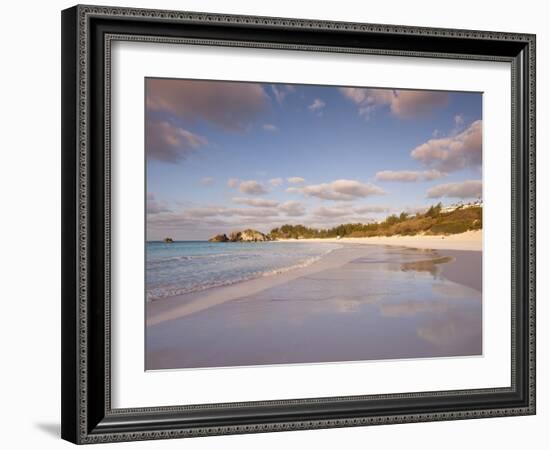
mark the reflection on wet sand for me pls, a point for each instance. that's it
(366, 303)
(431, 265)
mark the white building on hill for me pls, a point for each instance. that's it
(459, 205)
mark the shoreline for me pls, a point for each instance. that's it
(158, 311)
(182, 305)
(365, 288)
(470, 240)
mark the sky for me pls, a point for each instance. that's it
(223, 156)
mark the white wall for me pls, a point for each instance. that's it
(30, 225)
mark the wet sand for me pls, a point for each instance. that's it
(360, 302)
(466, 268)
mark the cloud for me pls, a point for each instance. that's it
(408, 104)
(465, 189)
(169, 143)
(409, 176)
(233, 182)
(293, 208)
(336, 215)
(213, 211)
(295, 180)
(207, 181)
(154, 206)
(205, 211)
(362, 96)
(256, 202)
(404, 104)
(269, 127)
(281, 91)
(335, 211)
(251, 212)
(176, 221)
(371, 209)
(231, 106)
(276, 181)
(317, 105)
(252, 187)
(339, 190)
(459, 120)
(453, 153)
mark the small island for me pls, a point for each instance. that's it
(168, 240)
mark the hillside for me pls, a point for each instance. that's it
(433, 222)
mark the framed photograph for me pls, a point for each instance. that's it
(279, 224)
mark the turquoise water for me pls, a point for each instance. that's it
(191, 266)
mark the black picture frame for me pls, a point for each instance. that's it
(87, 33)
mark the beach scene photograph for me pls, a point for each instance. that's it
(301, 224)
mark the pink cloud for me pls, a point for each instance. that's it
(252, 187)
(256, 202)
(339, 190)
(408, 104)
(453, 153)
(465, 189)
(214, 211)
(169, 143)
(402, 103)
(230, 105)
(335, 211)
(409, 176)
(292, 208)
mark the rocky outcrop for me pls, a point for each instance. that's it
(219, 238)
(248, 236)
(241, 236)
(168, 240)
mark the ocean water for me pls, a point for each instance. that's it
(191, 266)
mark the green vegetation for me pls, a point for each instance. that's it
(433, 221)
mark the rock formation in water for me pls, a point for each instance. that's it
(219, 238)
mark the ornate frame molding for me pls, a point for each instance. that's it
(80, 418)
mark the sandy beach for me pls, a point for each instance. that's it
(371, 298)
(470, 240)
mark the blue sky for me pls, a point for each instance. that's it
(223, 156)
